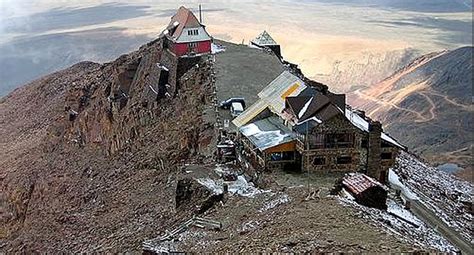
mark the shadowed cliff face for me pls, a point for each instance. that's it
(83, 171)
(427, 105)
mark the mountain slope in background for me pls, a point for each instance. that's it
(427, 105)
(365, 69)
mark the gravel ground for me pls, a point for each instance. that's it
(281, 219)
(242, 71)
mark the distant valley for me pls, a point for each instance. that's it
(427, 105)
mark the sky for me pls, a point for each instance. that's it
(313, 33)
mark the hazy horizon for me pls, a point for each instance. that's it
(314, 34)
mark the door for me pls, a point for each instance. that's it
(192, 47)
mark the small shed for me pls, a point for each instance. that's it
(366, 190)
(264, 40)
(186, 35)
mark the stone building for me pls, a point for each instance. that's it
(328, 136)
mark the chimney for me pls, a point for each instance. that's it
(361, 113)
(374, 150)
(200, 14)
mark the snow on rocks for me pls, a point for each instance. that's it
(395, 182)
(401, 212)
(415, 232)
(240, 187)
(281, 199)
(449, 197)
(216, 49)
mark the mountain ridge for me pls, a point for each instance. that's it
(431, 94)
(86, 170)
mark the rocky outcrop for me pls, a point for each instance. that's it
(112, 110)
(195, 198)
(90, 153)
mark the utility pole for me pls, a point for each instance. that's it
(200, 14)
(306, 145)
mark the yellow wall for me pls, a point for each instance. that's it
(290, 146)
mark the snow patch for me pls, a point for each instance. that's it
(282, 199)
(441, 192)
(395, 181)
(250, 129)
(401, 212)
(240, 187)
(216, 49)
(305, 108)
(421, 234)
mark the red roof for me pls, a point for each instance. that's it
(358, 183)
(185, 19)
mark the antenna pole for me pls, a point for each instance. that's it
(200, 14)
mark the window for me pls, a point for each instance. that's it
(365, 143)
(192, 46)
(384, 144)
(319, 161)
(282, 156)
(343, 160)
(331, 141)
(386, 155)
(339, 140)
(193, 32)
(316, 141)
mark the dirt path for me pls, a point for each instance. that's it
(445, 97)
(429, 217)
(420, 117)
(432, 109)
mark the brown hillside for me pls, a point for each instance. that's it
(61, 191)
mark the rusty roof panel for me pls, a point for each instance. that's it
(358, 183)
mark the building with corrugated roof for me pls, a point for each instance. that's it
(365, 190)
(327, 135)
(269, 143)
(186, 36)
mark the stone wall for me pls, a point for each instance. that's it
(375, 150)
(177, 68)
(329, 156)
(114, 111)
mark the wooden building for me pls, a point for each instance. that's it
(365, 190)
(268, 144)
(186, 36)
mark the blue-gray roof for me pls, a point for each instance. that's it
(267, 133)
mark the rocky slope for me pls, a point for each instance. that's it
(427, 105)
(82, 172)
(365, 69)
(94, 161)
